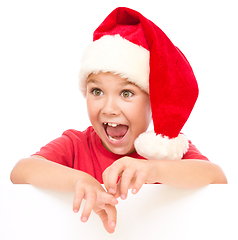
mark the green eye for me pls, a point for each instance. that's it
(126, 94)
(97, 92)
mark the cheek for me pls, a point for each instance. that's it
(148, 113)
(140, 114)
(144, 105)
(144, 112)
(147, 107)
(91, 110)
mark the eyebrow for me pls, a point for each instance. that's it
(128, 83)
(93, 81)
(98, 82)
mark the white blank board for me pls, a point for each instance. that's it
(156, 212)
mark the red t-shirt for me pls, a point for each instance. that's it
(84, 151)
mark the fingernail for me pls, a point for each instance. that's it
(134, 191)
(84, 219)
(112, 191)
(114, 201)
(113, 224)
(123, 196)
(75, 210)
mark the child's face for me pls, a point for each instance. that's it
(118, 110)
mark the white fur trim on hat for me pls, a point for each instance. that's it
(152, 146)
(119, 56)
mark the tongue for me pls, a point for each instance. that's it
(118, 131)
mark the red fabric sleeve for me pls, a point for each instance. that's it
(60, 150)
(193, 153)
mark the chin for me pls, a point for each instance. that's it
(122, 152)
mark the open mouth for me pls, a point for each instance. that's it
(115, 131)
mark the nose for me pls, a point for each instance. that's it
(111, 107)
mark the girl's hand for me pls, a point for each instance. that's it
(97, 199)
(133, 174)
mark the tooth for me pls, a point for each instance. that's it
(113, 139)
(112, 124)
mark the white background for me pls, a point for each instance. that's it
(156, 212)
(41, 43)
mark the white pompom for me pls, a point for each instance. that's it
(152, 146)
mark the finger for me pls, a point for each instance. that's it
(110, 176)
(104, 178)
(89, 204)
(118, 192)
(108, 217)
(139, 181)
(109, 189)
(78, 197)
(125, 183)
(112, 216)
(106, 198)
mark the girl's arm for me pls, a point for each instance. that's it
(189, 173)
(134, 173)
(43, 173)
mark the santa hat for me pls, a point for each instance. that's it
(128, 44)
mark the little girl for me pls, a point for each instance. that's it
(131, 73)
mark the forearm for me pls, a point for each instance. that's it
(188, 173)
(45, 174)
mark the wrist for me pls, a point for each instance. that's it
(79, 178)
(155, 171)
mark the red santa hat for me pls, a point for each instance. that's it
(128, 44)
